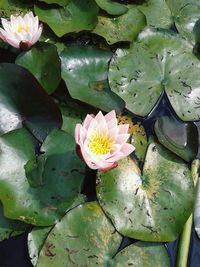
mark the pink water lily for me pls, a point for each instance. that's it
(102, 142)
(21, 32)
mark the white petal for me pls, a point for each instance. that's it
(36, 37)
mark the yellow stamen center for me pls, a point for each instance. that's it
(100, 143)
(21, 28)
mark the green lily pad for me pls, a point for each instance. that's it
(38, 235)
(111, 7)
(70, 118)
(36, 239)
(157, 61)
(76, 16)
(152, 205)
(37, 59)
(23, 101)
(122, 28)
(186, 16)
(10, 228)
(62, 177)
(176, 136)
(58, 2)
(142, 254)
(84, 237)
(12, 7)
(157, 13)
(85, 72)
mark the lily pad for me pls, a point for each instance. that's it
(13, 7)
(62, 177)
(122, 28)
(112, 7)
(23, 101)
(158, 61)
(186, 16)
(142, 254)
(58, 2)
(157, 13)
(37, 59)
(152, 205)
(70, 118)
(84, 237)
(10, 228)
(85, 72)
(38, 235)
(75, 16)
(176, 136)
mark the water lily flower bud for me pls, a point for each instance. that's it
(102, 142)
(21, 32)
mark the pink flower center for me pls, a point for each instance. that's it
(100, 143)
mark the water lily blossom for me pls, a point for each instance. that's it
(21, 32)
(101, 141)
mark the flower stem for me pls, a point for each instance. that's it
(184, 242)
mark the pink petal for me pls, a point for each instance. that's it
(2, 35)
(113, 133)
(111, 115)
(87, 121)
(36, 37)
(12, 42)
(102, 124)
(114, 165)
(122, 138)
(5, 24)
(112, 123)
(123, 128)
(127, 149)
(119, 155)
(77, 133)
(93, 127)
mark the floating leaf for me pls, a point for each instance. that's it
(37, 59)
(62, 177)
(158, 61)
(123, 28)
(12, 7)
(84, 236)
(76, 16)
(85, 70)
(142, 254)
(111, 7)
(176, 136)
(157, 13)
(152, 205)
(38, 235)
(10, 228)
(186, 16)
(70, 118)
(22, 100)
(58, 2)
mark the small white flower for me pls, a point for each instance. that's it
(21, 32)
